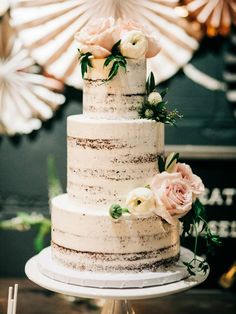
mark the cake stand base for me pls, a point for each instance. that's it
(117, 307)
(117, 300)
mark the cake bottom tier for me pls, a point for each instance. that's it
(93, 241)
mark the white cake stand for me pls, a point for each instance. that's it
(117, 300)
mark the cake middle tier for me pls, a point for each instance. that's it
(106, 159)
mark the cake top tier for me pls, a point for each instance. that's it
(113, 64)
(119, 98)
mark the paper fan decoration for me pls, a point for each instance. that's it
(47, 28)
(26, 96)
(216, 15)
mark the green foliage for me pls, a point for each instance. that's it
(117, 59)
(54, 184)
(158, 111)
(25, 221)
(85, 61)
(150, 84)
(195, 223)
(164, 164)
(43, 231)
(174, 158)
(161, 163)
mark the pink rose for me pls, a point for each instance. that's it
(98, 37)
(173, 195)
(187, 174)
(153, 41)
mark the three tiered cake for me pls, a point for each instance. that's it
(121, 210)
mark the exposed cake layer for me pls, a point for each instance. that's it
(101, 262)
(92, 240)
(109, 158)
(117, 98)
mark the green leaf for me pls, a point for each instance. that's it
(84, 68)
(175, 157)
(198, 210)
(163, 93)
(54, 183)
(113, 71)
(192, 273)
(118, 60)
(108, 60)
(205, 268)
(150, 84)
(115, 49)
(44, 230)
(161, 163)
(85, 62)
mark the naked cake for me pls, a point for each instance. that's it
(124, 197)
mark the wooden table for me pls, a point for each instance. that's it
(32, 299)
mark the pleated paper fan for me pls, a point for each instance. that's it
(26, 96)
(216, 15)
(47, 28)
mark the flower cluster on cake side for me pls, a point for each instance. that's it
(173, 193)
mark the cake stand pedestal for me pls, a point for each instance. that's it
(117, 300)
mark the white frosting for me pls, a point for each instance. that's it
(117, 98)
(109, 158)
(127, 242)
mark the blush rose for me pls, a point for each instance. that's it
(98, 37)
(193, 180)
(173, 195)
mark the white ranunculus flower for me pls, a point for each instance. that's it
(141, 202)
(154, 98)
(134, 45)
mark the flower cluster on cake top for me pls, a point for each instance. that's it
(115, 41)
(136, 41)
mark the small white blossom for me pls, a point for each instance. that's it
(148, 113)
(154, 98)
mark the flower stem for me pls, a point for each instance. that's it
(196, 239)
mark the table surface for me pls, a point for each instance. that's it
(33, 299)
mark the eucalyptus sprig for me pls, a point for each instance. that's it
(117, 59)
(85, 61)
(195, 223)
(157, 109)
